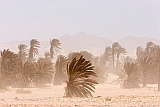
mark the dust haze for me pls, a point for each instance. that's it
(83, 53)
(38, 73)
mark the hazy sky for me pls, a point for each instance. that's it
(45, 19)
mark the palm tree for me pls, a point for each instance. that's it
(60, 66)
(79, 83)
(96, 61)
(44, 71)
(115, 45)
(157, 61)
(101, 69)
(158, 49)
(101, 65)
(47, 55)
(0, 65)
(78, 54)
(73, 55)
(140, 52)
(120, 51)
(6, 56)
(87, 55)
(25, 71)
(34, 45)
(117, 50)
(55, 47)
(22, 52)
(149, 47)
(126, 59)
(8, 65)
(107, 54)
(131, 77)
(146, 63)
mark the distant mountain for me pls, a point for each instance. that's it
(80, 41)
(83, 41)
(13, 45)
(131, 43)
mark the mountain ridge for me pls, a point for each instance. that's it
(84, 41)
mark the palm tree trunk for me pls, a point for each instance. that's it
(0, 68)
(31, 53)
(144, 79)
(159, 78)
(113, 62)
(117, 63)
(20, 56)
(51, 52)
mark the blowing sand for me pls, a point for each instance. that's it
(106, 95)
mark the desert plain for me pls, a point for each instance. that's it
(109, 94)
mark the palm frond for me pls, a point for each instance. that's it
(22, 52)
(6, 54)
(73, 55)
(21, 76)
(146, 63)
(79, 83)
(131, 77)
(8, 61)
(47, 55)
(55, 47)
(60, 66)
(34, 45)
(44, 72)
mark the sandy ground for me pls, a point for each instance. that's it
(106, 95)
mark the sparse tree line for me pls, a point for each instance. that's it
(81, 71)
(142, 70)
